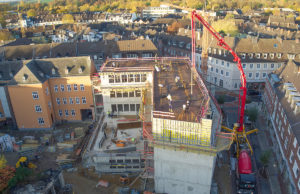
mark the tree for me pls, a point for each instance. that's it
(2, 21)
(5, 35)
(246, 8)
(31, 13)
(173, 29)
(226, 25)
(265, 159)
(252, 114)
(68, 19)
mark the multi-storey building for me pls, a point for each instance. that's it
(157, 12)
(282, 105)
(48, 91)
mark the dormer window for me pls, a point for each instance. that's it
(66, 70)
(265, 55)
(272, 55)
(243, 55)
(220, 52)
(25, 77)
(257, 55)
(278, 55)
(53, 71)
(80, 70)
(250, 55)
(215, 51)
(291, 56)
(225, 53)
(209, 50)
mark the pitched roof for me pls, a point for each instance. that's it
(136, 45)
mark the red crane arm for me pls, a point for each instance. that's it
(223, 44)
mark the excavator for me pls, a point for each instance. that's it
(245, 176)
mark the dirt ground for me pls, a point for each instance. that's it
(84, 184)
(223, 178)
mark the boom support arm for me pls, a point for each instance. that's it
(223, 44)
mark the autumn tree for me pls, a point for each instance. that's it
(2, 21)
(68, 19)
(227, 26)
(31, 13)
(173, 29)
(5, 35)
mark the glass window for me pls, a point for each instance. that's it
(137, 107)
(111, 79)
(222, 62)
(257, 75)
(124, 78)
(250, 74)
(211, 69)
(120, 107)
(38, 108)
(244, 66)
(77, 100)
(71, 100)
(41, 121)
(125, 94)
(75, 87)
(132, 107)
(272, 65)
(62, 87)
(222, 72)
(64, 100)
(56, 88)
(131, 94)
(131, 78)
(69, 88)
(126, 107)
(119, 94)
(60, 113)
(114, 107)
(258, 66)
(47, 91)
(83, 100)
(117, 79)
(251, 66)
(58, 101)
(73, 112)
(81, 87)
(264, 75)
(137, 78)
(228, 64)
(217, 70)
(35, 95)
(137, 93)
(227, 73)
(265, 66)
(112, 94)
(67, 112)
(144, 77)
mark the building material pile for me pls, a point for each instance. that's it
(6, 174)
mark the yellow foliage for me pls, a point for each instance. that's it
(68, 19)
(3, 161)
(228, 26)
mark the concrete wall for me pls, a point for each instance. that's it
(180, 172)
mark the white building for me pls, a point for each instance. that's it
(157, 12)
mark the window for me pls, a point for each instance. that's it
(137, 107)
(137, 93)
(67, 112)
(125, 94)
(83, 100)
(62, 87)
(75, 87)
(272, 66)
(56, 88)
(137, 78)
(258, 55)
(131, 78)
(64, 100)
(126, 107)
(250, 55)
(257, 75)
(292, 157)
(77, 100)
(272, 55)
(124, 78)
(265, 66)
(264, 75)
(243, 56)
(35, 95)
(119, 94)
(258, 66)
(144, 77)
(211, 69)
(265, 55)
(114, 108)
(38, 108)
(49, 104)
(81, 87)
(278, 55)
(222, 63)
(41, 121)
(227, 73)
(132, 107)
(235, 85)
(217, 70)
(250, 75)
(229, 65)
(251, 66)
(69, 88)
(117, 79)
(217, 61)
(73, 112)
(295, 169)
(111, 79)
(222, 72)
(112, 94)
(244, 66)
(131, 94)
(120, 107)
(47, 91)
(71, 100)
(58, 101)
(60, 113)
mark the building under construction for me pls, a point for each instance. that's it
(157, 117)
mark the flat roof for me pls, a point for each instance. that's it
(171, 86)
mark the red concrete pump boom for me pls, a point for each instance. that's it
(223, 44)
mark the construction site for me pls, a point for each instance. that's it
(159, 119)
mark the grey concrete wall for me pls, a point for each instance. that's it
(180, 172)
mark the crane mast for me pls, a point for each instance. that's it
(223, 44)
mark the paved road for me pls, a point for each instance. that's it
(231, 114)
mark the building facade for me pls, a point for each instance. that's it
(282, 106)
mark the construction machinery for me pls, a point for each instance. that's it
(243, 149)
(23, 162)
